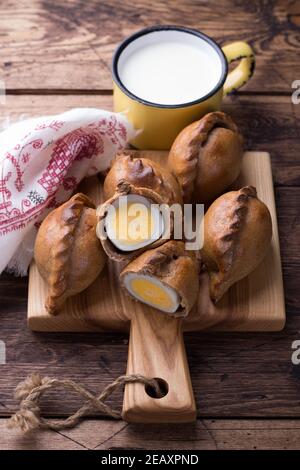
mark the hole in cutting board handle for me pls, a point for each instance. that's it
(163, 387)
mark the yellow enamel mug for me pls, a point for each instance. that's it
(159, 122)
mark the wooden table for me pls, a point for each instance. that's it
(55, 55)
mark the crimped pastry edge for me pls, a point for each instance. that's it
(201, 133)
(62, 252)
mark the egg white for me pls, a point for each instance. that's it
(155, 235)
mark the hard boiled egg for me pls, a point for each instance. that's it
(133, 222)
(152, 291)
(164, 277)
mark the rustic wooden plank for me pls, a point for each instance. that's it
(14, 439)
(206, 434)
(232, 375)
(211, 435)
(69, 45)
(268, 123)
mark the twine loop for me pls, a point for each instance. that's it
(30, 391)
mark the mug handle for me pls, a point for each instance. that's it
(239, 76)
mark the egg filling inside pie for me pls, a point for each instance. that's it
(132, 222)
(152, 292)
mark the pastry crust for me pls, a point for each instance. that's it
(237, 235)
(124, 189)
(142, 173)
(206, 157)
(67, 250)
(173, 266)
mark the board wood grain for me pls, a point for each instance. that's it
(256, 303)
(156, 349)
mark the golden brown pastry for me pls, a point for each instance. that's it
(166, 278)
(142, 173)
(143, 182)
(206, 157)
(237, 235)
(68, 253)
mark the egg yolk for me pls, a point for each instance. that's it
(133, 223)
(152, 293)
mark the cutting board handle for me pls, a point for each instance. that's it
(156, 350)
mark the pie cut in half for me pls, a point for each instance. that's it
(134, 217)
(166, 278)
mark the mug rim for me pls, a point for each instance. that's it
(142, 32)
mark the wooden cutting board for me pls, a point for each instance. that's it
(156, 345)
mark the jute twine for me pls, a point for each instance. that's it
(29, 392)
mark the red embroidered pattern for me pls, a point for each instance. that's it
(55, 125)
(83, 143)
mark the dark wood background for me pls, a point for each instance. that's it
(55, 55)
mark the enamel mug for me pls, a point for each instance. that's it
(159, 120)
